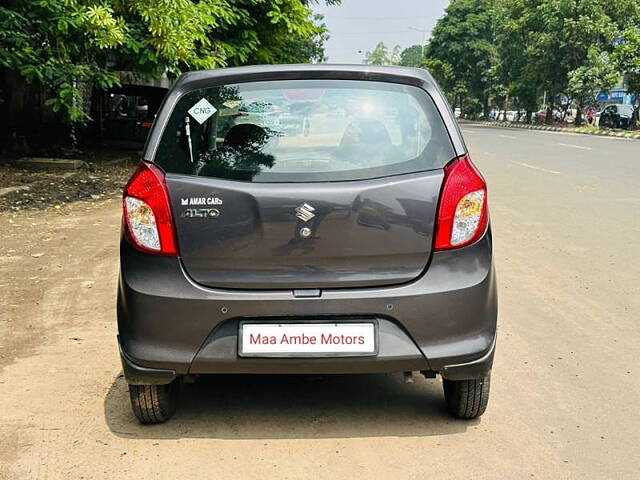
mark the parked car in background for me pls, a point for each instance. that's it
(126, 113)
(558, 116)
(616, 116)
(512, 115)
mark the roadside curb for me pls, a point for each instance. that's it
(526, 126)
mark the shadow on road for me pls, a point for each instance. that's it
(293, 406)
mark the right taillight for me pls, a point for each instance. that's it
(462, 214)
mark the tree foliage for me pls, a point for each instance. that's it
(443, 73)
(597, 74)
(382, 56)
(67, 44)
(626, 57)
(525, 50)
(463, 42)
(412, 56)
(308, 49)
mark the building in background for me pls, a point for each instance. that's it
(617, 95)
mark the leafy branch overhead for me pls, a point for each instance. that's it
(68, 46)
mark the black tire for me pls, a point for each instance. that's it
(154, 403)
(467, 398)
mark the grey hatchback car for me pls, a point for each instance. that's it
(301, 219)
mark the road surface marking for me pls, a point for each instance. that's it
(508, 136)
(534, 167)
(574, 146)
(469, 131)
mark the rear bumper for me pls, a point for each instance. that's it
(138, 375)
(444, 321)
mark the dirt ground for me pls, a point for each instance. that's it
(565, 388)
(103, 174)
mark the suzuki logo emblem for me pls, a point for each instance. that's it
(305, 212)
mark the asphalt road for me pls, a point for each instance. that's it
(565, 388)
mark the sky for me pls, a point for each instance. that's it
(358, 25)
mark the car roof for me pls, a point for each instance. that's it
(190, 81)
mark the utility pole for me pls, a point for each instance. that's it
(424, 38)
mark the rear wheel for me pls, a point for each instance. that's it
(154, 403)
(467, 398)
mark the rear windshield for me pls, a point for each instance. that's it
(304, 131)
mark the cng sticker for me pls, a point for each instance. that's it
(202, 110)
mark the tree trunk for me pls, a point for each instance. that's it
(17, 117)
(505, 107)
(578, 121)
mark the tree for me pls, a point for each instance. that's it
(599, 73)
(381, 55)
(305, 50)
(542, 42)
(377, 56)
(513, 41)
(464, 39)
(519, 51)
(394, 57)
(442, 72)
(68, 45)
(412, 56)
(626, 57)
(562, 40)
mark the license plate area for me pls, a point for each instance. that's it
(308, 339)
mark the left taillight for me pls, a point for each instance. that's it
(147, 212)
